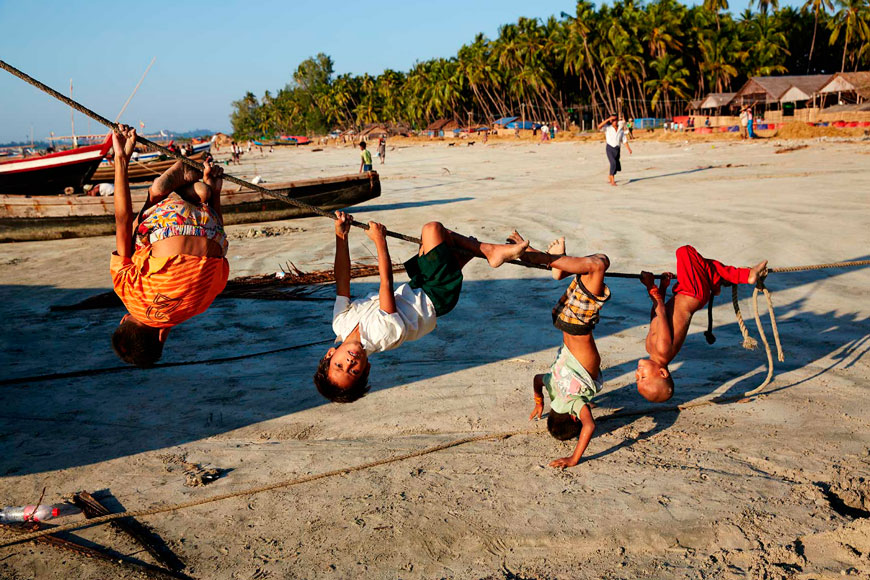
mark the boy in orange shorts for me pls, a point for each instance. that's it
(169, 263)
(697, 280)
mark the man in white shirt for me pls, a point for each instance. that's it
(614, 134)
(389, 318)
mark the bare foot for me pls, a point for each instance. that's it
(515, 238)
(498, 254)
(755, 271)
(557, 248)
(190, 174)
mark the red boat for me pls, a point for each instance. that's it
(51, 174)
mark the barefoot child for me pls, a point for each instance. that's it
(389, 318)
(169, 263)
(575, 377)
(697, 280)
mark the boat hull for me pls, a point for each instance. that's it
(51, 174)
(138, 172)
(58, 217)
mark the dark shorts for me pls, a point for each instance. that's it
(439, 275)
(367, 167)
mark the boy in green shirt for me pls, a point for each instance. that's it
(365, 163)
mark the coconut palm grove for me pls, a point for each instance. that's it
(643, 59)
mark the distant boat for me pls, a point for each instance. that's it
(52, 173)
(285, 140)
(137, 171)
(48, 217)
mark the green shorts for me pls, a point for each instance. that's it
(439, 275)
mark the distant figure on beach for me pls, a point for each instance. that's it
(614, 135)
(382, 149)
(100, 190)
(749, 123)
(698, 280)
(630, 127)
(545, 133)
(169, 263)
(365, 163)
(690, 124)
(392, 316)
(575, 376)
(707, 122)
(744, 122)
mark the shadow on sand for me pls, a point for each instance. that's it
(404, 205)
(65, 423)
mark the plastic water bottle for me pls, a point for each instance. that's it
(29, 513)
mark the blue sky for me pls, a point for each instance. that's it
(211, 53)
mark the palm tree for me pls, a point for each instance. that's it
(671, 81)
(851, 20)
(817, 6)
(764, 5)
(716, 6)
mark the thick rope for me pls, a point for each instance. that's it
(749, 343)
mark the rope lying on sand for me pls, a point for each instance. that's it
(346, 470)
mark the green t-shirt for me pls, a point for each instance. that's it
(569, 384)
(366, 156)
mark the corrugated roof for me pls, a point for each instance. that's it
(437, 125)
(504, 121)
(716, 100)
(853, 81)
(774, 88)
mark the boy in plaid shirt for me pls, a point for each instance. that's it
(575, 377)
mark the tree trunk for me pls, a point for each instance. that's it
(813, 43)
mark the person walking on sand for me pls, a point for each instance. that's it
(749, 123)
(744, 121)
(365, 155)
(382, 149)
(614, 134)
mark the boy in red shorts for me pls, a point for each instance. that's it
(697, 280)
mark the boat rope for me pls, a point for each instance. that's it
(97, 521)
(281, 194)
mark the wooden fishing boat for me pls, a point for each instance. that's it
(52, 173)
(138, 171)
(48, 217)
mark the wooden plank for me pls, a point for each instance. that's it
(142, 535)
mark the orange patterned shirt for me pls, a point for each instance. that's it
(163, 292)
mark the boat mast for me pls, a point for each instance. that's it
(72, 117)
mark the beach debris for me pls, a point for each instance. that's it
(35, 513)
(790, 149)
(140, 533)
(195, 475)
(445, 170)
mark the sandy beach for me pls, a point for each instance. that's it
(754, 489)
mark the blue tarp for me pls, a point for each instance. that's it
(649, 123)
(505, 120)
(521, 125)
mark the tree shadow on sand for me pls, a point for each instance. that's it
(59, 424)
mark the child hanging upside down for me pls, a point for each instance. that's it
(387, 319)
(575, 377)
(697, 280)
(169, 262)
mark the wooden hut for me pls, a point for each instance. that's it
(436, 129)
(773, 92)
(850, 88)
